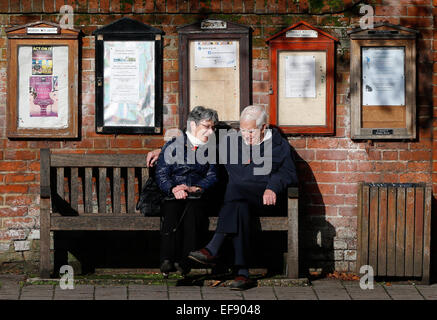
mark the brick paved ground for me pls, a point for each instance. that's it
(326, 289)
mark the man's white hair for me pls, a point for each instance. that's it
(254, 112)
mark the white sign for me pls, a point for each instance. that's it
(215, 54)
(124, 80)
(213, 24)
(301, 34)
(300, 76)
(42, 30)
(383, 76)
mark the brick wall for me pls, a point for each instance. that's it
(329, 167)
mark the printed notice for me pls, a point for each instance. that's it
(383, 76)
(42, 62)
(300, 76)
(215, 54)
(124, 74)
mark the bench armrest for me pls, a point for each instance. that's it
(293, 192)
(45, 173)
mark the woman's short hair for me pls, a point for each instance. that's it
(254, 112)
(200, 113)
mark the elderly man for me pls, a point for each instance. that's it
(248, 193)
(251, 188)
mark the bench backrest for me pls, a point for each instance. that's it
(92, 183)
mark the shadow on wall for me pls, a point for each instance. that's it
(316, 234)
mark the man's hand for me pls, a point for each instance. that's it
(180, 191)
(269, 197)
(152, 156)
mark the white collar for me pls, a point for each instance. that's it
(267, 136)
(194, 141)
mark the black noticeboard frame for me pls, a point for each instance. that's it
(126, 29)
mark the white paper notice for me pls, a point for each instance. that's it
(215, 54)
(124, 74)
(383, 76)
(300, 76)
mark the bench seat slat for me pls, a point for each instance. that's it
(136, 222)
(98, 160)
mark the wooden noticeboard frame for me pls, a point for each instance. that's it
(55, 115)
(142, 112)
(293, 114)
(219, 31)
(386, 120)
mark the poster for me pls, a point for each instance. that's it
(129, 83)
(43, 97)
(43, 87)
(215, 54)
(42, 62)
(383, 76)
(300, 76)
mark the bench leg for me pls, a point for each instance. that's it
(44, 262)
(292, 254)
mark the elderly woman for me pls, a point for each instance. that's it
(186, 184)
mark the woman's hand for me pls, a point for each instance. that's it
(180, 191)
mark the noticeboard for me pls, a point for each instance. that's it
(383, 82)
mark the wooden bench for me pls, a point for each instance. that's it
(99, 192)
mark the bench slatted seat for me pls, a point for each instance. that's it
(98, 192)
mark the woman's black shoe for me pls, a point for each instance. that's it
(167, 266)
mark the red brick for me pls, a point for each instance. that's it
(346, 189)
(322, 165)
(414, 155)
(385, 10)
(249, 6)
(12, 166)
(16, 188)
(238, 6)
(331, 154)
(19, 223)
(390, 155)
(16, 201)
(419, 11)
(126, 143)
(416, 22)
(16, 177)
(13, 212)
(19, 155)
(348, 211)
(419, 166)
(37, 5)
(414, 177)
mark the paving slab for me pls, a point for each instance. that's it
(148, 295)
(324, 283)
(149, 288)
(377, 293)
(188, 295)
(37, 292)
(220, 293)
(333, 293)
(111, 293)
(80, 292)
(295, 293)
(259, 293)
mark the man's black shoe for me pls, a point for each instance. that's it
(183, 268)
(202, 256)
(242, 283)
